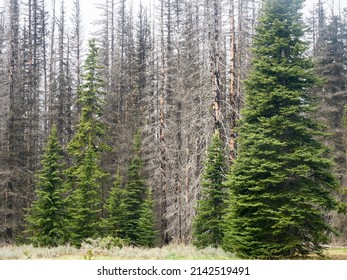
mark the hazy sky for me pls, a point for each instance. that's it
(90, 13)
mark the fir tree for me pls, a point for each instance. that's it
(281, 183)
(135, 195)
(46, 217)
(86, 174)
(147, 234)
(208, 223)
(115, 209)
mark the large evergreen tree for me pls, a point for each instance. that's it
(46, 217)
(85, 148)
(208, 223)
(281, 182)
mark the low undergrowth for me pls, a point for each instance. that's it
(92, 252)
(98, 251)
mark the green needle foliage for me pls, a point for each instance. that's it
(46, 217)
(208, 223)
(85, 148)
(281, 183)
(129, 210)
(115, 209)
(147, 234)
(137, 203)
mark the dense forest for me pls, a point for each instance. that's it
(203, 121)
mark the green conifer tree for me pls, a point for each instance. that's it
(85, 175)
(46, 217)
(135, 195)
(147, 235)
(208, 223)
(281, 183)
(115, 209)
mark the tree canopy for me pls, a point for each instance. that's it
(208, 223)
(46, 217)
(281, 182)
(86, 174)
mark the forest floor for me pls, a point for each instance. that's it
(171, 252)
(335, 253)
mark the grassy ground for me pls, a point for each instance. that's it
(171, 252)
(337, 253)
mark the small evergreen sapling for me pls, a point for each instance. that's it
(138, 202)
(147, 235)
(46, 217)
(208, 223)
(115, 209)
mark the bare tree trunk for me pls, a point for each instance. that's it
(162, 130)
(215, 58)
(45, 113)
(52, 69)
(13, 184)
(233, 91)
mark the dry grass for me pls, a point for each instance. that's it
(336, 253)
(27, 252)
(171, 252)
